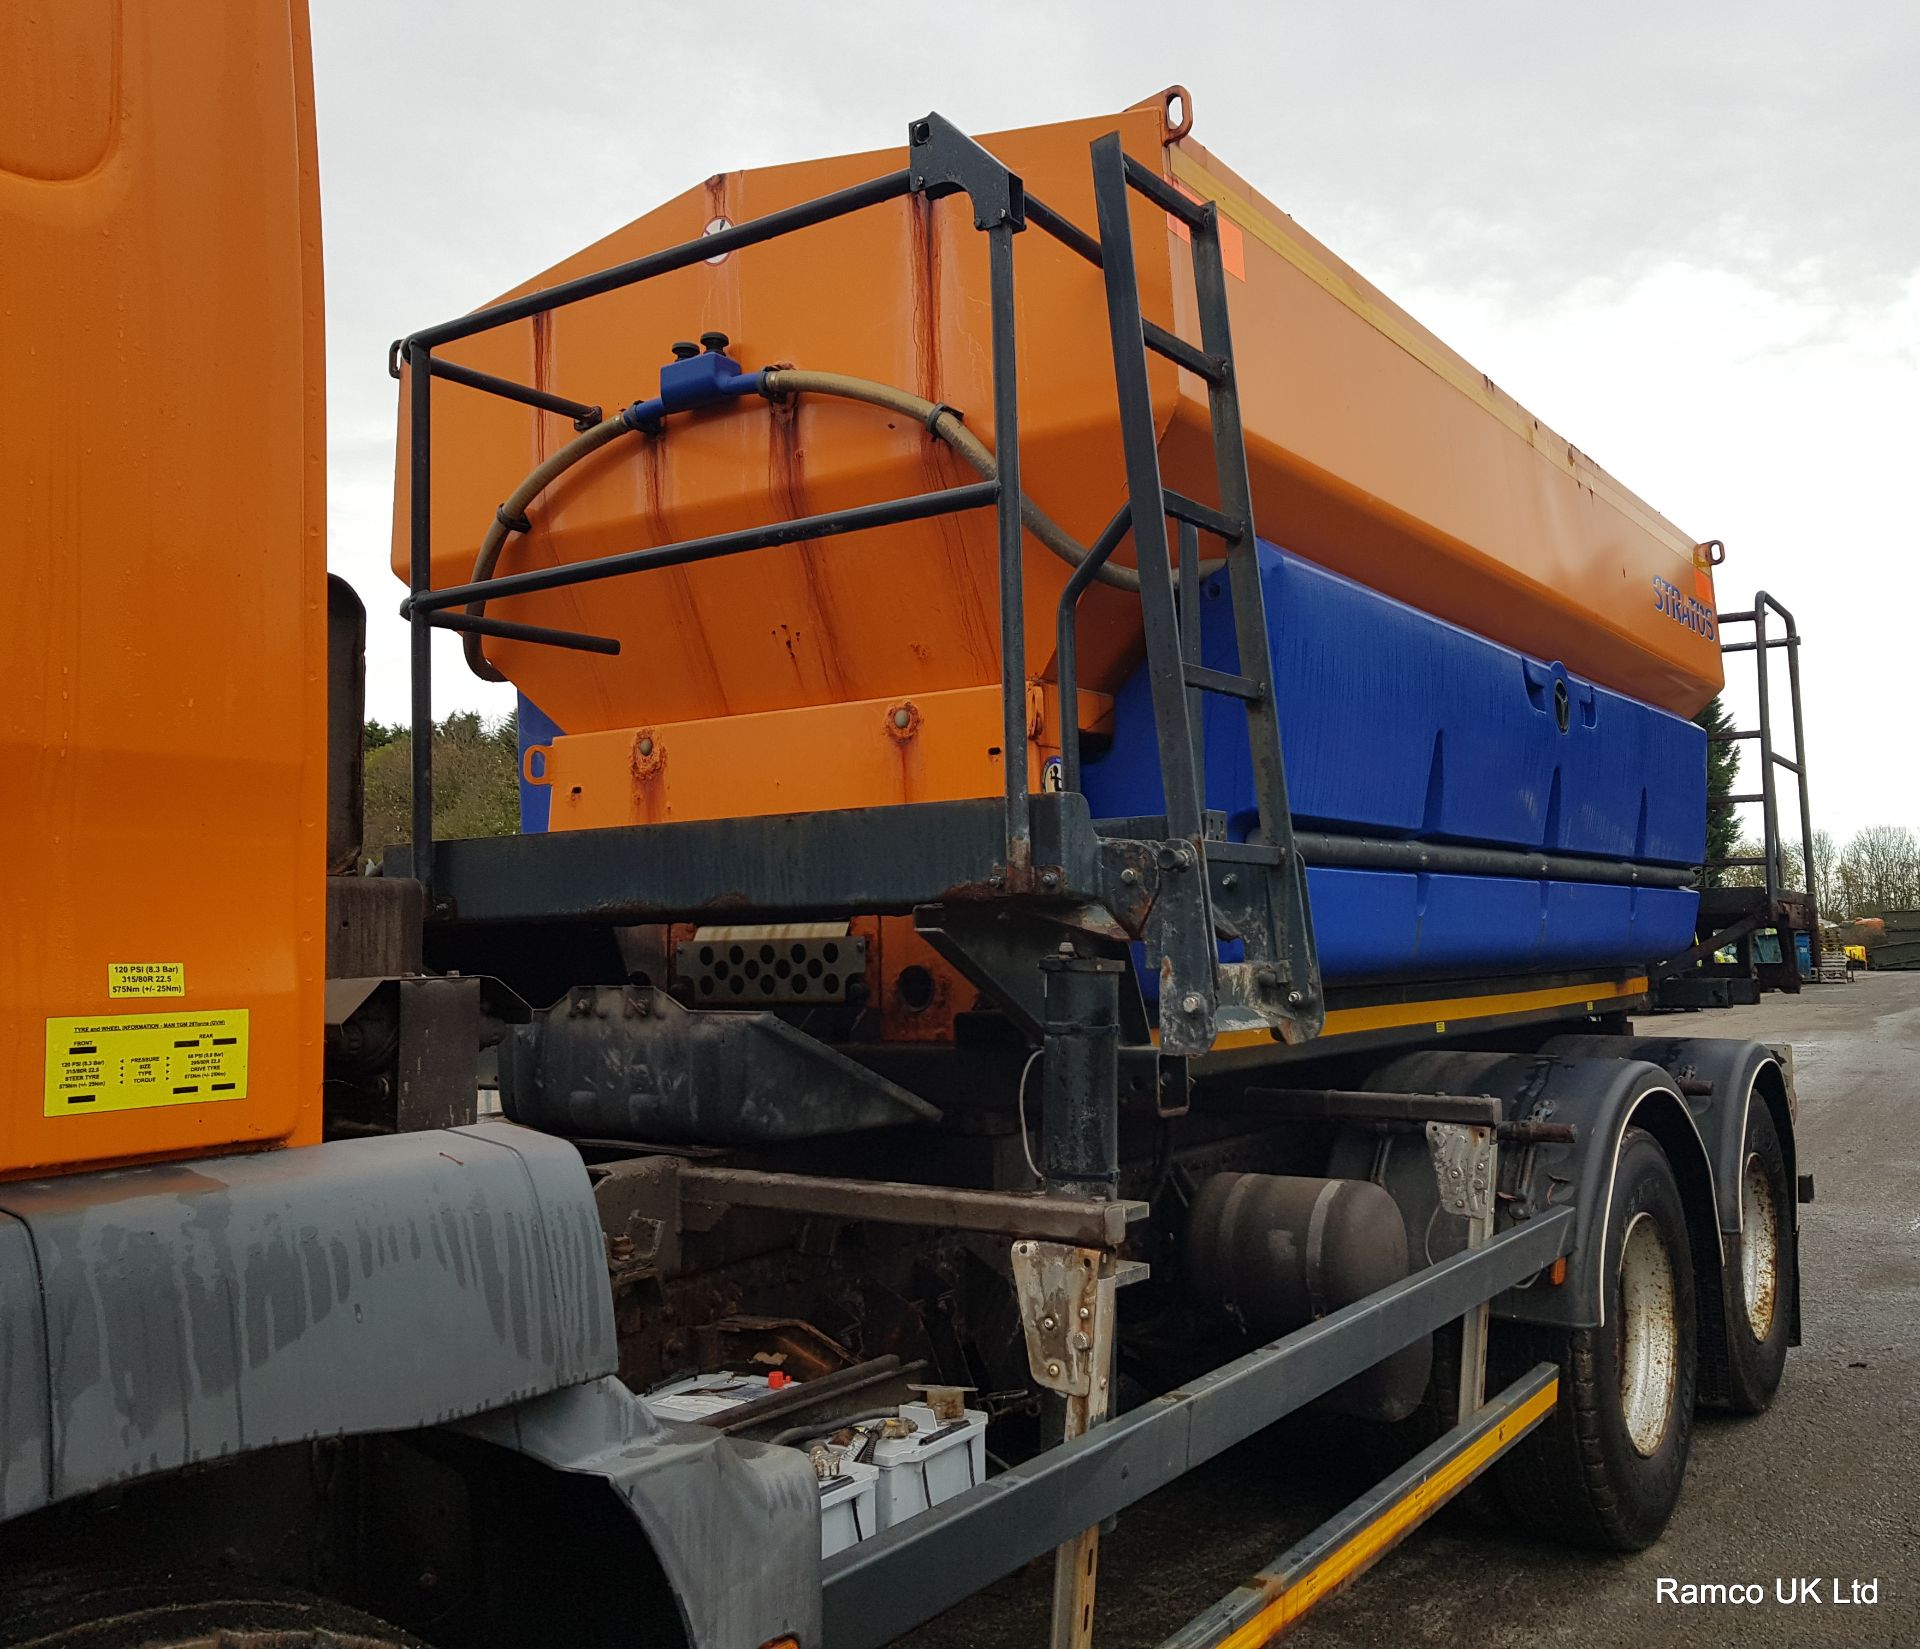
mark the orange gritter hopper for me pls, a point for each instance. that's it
(1373, 449)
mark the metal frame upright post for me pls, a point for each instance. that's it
(420, 580)
(1013, 633)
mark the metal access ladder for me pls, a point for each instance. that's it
(1252, 890)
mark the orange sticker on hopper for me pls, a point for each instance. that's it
(1233, 244)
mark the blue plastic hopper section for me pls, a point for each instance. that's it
(1395, 723)
(535, 726)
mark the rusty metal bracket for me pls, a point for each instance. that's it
(1466, 1163)
(1463, 1166)
(1067, 1309)
(1058, 1288)
(640, 1211)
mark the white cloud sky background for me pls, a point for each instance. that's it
(1684, 235)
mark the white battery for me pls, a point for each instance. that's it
(698, 1396)
(848, 1506)
(933, 1464)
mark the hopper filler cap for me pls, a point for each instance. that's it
(699, 375)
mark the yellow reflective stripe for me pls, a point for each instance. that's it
(1423, 347)
(1441, 1011)
(1367, 1545)
(1388, 1015)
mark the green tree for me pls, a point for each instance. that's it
(476, 774)
(1826, 872)
(1753, 875)
(1723, 768)
(1880, 871)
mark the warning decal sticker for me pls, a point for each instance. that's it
(146, 979)
(140, 1060)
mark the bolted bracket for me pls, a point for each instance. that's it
(1059, 1290)
(945, 161)
(1463, 1166)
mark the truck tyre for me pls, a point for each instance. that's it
(1760, 1295)
(107, 1613)
(1605, 1468)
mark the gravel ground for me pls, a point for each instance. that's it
(1826, 1485)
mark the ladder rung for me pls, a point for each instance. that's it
(1219, 681)
(1209, 367)
(1203, 516)
(1193, 213)
(1246, 853)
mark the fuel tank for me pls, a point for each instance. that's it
(1375, 451)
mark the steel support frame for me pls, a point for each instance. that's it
(1066, 1297)
(1080, 1075)
(1086, 1221)
(1079, 1153)
(841, 862)
(1473, 1196)
(892, 1582)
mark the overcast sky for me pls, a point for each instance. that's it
(1685, 236)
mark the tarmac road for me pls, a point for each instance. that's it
(1826, 1484)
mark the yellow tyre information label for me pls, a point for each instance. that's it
(146, 979)
(133, 1061)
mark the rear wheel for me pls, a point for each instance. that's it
(1760, 1300)
(106, 1613)
(1605, 1468)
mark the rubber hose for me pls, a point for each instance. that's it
(946, 425)
(515, 509)
(826, 1428)
(942, 422)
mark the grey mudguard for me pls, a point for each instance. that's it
(1737, 1077)
(157, 1316)
(1601, 1091)
(24, 1457)
(735, 1525)
(1733, 1069)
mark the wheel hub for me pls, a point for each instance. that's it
(1649, 1334)
(1759, 1247)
